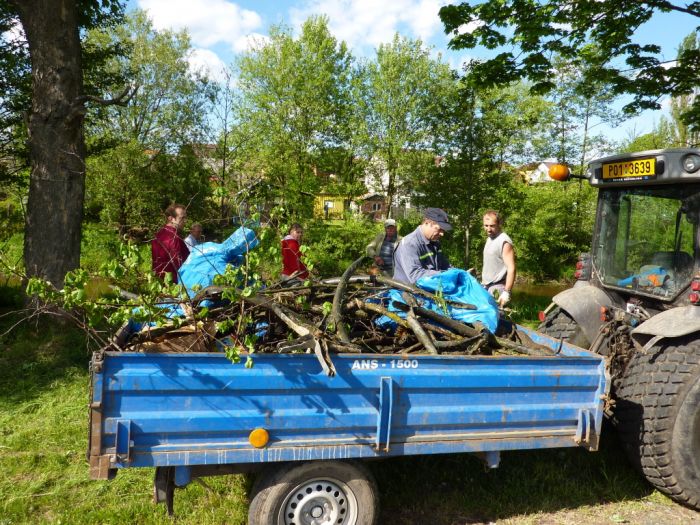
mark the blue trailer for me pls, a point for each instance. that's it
(198, 414)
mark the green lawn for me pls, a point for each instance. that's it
(44, 390)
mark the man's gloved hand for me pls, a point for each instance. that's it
(503, 298)
(378, 261)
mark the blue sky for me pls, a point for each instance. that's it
(221, 28)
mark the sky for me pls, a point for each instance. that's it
(220, 29)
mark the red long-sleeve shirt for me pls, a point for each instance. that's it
(168, 252)
(291, 258)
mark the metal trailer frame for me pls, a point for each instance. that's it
(194, 412)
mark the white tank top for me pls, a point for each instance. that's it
(494, 269)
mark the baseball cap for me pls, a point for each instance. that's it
(390, 222)
(439, 216)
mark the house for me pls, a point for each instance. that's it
(536, 172)
(331, 206)
(374, 206)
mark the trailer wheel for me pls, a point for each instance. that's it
(560, 325)
(657, 413)
(333, 492)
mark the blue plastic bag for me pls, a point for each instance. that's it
(209, 259)
(454, 285)
(649, 275)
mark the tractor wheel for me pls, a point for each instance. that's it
(337, 492)
(560, 325)
(657, 413)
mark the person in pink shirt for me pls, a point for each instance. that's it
(292, 265)
(168, 250)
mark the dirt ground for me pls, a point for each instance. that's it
(656, 510)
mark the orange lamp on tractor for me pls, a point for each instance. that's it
(560, 172)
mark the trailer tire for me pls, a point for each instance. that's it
(339, 492)
(560, 325)
(658, 418)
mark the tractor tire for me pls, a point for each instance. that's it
(338, 492)
(658, 417)
(560, 325)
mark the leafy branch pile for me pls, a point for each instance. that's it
(237, 314)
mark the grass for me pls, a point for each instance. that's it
(44, 390)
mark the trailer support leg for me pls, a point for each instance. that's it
(164, 487)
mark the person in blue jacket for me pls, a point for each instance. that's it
(418, 254)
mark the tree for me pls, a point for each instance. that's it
(296, 107)
(489, 132)
(577, 110)
(591, 34)
(683, 102)
(56, 141)
(662, 136)
(401, 91)
(150, 146)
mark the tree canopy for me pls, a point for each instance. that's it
(594, 35)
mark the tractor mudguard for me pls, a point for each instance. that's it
(675, 322)
(583, 304)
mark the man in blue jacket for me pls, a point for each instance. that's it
(418, 254)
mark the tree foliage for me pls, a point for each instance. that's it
(551, 226)
(148, 151)
(682, 103)
(575, 114)
(296, 107)
(595, 36)
(490, 132)
(402, 93)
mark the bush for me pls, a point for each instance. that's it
(332, 246)
(553, 225)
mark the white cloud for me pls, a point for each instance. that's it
(368, 23)
(250, 41)
(469, 27)
(457, 62)
(209, 22)
(207, 63)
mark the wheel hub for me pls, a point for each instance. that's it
(320, 502)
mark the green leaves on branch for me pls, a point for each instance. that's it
(594, 36)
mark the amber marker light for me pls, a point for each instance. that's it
(560, 172)
(259, 437)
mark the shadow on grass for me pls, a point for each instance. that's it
(456, 489)
(34, 354)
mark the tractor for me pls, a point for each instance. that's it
(636, 301)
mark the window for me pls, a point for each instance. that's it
(646, 238)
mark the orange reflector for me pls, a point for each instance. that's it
(603, 313)
(695, 285)
(259, 437)
(541, 316)
(694, 298)
(559, 172)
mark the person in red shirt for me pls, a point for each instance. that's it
(292, 266)
(168, 250)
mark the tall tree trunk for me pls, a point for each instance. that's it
(56, 141)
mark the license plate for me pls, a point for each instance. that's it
(638, 169)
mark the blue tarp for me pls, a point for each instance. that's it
(649, 275)
(454, 285)
(209, 259)
(206, 261)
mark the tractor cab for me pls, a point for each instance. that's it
(645, 241)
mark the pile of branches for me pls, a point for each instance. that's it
(330, 316)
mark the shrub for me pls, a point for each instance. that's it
(332, 246)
